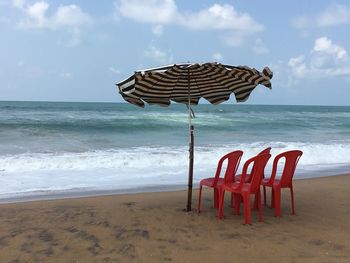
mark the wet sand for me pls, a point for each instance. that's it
(152, 227)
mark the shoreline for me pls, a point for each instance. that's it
(70, 194)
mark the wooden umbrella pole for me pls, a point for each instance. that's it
(190, 169)
(191, 147)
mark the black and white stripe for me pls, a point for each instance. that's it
(212, 81)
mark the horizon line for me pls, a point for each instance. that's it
(174, 103)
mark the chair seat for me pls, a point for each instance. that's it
(265, 181)
(246, 179)
(235, 187)
(210, 181)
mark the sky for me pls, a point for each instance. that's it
(77, 50)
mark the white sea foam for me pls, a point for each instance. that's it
(144, 166)
(161, 157)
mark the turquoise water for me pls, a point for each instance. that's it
(47, 146)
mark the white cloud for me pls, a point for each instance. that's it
(334, 15)
(326, 59)
(298, 66)
(217, 56)
(35, 16)
(70, 15)
(162, 57)
(324, 44)
(151, 11)
(65, 17)
(157, 30)
(234, 25)
(221, 17)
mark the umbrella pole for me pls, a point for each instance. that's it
(190, 169)
(191, 152)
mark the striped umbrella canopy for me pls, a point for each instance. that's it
(187, 83)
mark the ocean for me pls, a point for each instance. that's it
(51, 148)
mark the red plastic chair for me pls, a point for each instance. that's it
(248, 178)
(285, 181)
(233, 159)
(243, 190)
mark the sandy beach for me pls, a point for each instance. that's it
(152, 227)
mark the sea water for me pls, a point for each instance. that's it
(49, 148)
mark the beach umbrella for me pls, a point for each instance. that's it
(187, 83)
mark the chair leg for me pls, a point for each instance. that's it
(277, 203)
(216, 198)
(264, 195)
(246, 204)
(238, 201)
(292, 199)
(221, 204)
(272, 198)
(199, 199)
(232, 200)
(256, 205)
(259, 206)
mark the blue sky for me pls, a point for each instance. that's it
(77, 50)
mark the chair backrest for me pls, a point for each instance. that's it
(291, 161)
(267, 150)
(233, 159)
(259, 162)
